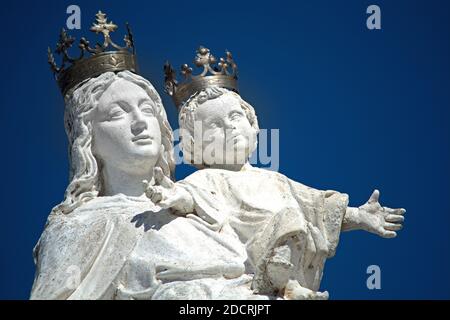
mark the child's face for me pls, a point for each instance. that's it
(227, 135)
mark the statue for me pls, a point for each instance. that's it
(126, 230)
(107, 240)
(289, 229)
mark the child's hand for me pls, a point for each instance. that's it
(379, 220)
(294, 291)
(166, 194)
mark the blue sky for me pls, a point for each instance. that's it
(357, 110)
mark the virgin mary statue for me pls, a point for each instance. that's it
(107, 240)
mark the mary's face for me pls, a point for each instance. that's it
(126, 132)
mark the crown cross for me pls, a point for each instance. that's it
(106, 56)
(222, 73)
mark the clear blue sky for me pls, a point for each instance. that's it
(356, 109)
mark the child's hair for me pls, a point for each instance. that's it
(186, 118)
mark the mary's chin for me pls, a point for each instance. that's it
(145, 150)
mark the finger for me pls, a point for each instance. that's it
(161, 179)
(145, 184)
(149, 191)
(394, 218)
(156, 198)
(400, 211)
(392, 226)
(156, 195)
(322, 295)
(389, 234)
(375, 196)
(166, 182)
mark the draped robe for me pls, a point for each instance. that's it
(266, 209)
(127, 248)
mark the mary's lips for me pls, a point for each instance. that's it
(140, 137)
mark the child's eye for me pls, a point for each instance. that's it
(236, 116)
(214, 124)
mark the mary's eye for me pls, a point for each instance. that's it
(116, 113)
(147, 109)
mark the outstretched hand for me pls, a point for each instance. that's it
(379, 220)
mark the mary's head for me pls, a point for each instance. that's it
(115, 122)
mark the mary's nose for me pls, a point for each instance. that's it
(138, 124)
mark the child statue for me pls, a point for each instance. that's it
(288, 229)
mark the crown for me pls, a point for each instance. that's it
(104, 57)
(214, 73)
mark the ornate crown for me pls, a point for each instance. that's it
(214, 74)
(99, 60)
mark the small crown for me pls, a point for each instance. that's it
(74, 71)
(214, 74)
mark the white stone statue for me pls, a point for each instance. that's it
(106, 240)
(125, 230)
(289, 229)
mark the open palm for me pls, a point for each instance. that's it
(379, 220)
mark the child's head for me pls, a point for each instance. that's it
(217, 128)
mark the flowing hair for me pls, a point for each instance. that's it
(85, 172)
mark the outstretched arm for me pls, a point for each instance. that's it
(374, 218)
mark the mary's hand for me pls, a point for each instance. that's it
(379, 220)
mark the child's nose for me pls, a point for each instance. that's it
(229, 124)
